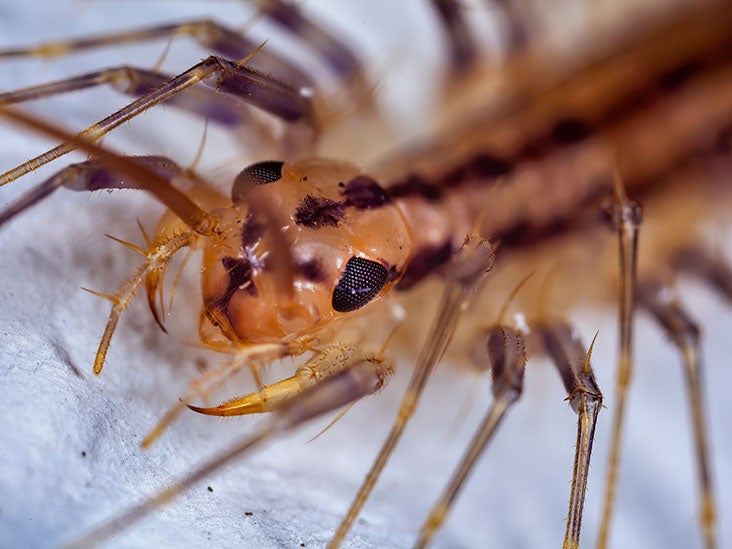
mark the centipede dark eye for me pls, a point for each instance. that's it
(360, 282)
(254, 175)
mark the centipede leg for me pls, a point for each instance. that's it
(363, 377)
(568, 355)
(144, 177)
(92, 175)
(467, 272)
(249, 357)
(335, 54)
(212, 35)
(135, 81)
(234, 79)
(462, 47)
(326, 362)
(507, 353)
(713, 271)
(626, 215)
(656, 298)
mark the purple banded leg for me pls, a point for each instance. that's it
(226, 42)
(92, 175)
(463, 49)
(138, 82)
(198, 220)
(340, 60)
(234, 79)
(212, 35)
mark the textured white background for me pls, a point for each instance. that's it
(52, 408)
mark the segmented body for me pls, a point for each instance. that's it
(283, 490)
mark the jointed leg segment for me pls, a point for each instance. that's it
(653, 296)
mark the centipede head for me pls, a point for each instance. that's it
(304, 244)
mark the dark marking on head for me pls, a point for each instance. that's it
(254, 175)
(311, 270)
(252, 231)
(392, 273)
(363, 193)
(240, 277)
(424, 262)
(415, 185)
(570, 130)
(317, 212)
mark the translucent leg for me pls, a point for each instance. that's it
(507, 354)
(656, 298)
(626, 216)
(568, 354)
(467, 271)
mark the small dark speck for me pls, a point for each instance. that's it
(83, 454)
(248, 513)
(305, 178)
(210, 489)
(341, 184)
(200, 364)
(302, 545)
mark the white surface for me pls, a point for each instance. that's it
(52, 408)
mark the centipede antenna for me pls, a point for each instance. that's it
(361, 379)
(469, 267)
(507, 354)
(626, 216)
(655, 297)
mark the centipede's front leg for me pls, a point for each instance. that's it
(362, 376)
